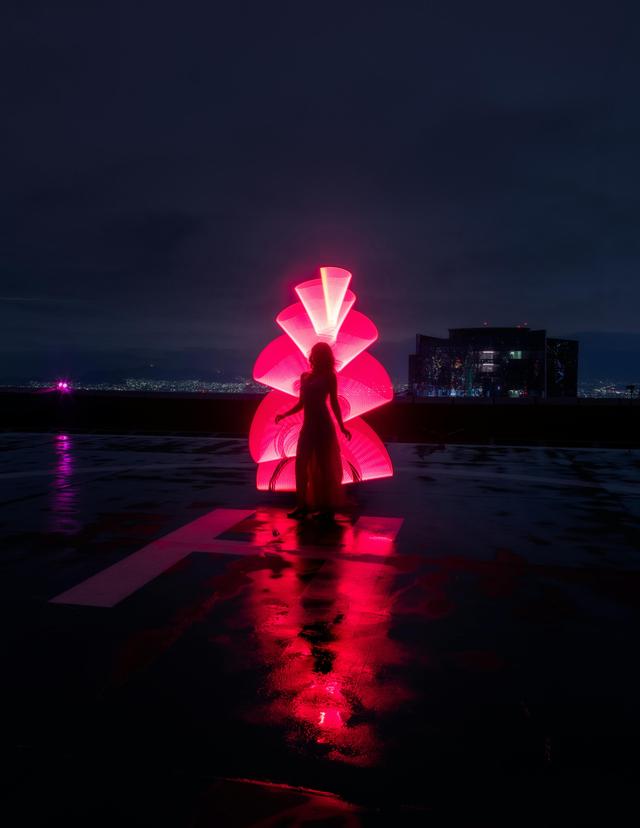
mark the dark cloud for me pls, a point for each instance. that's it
(171, 169)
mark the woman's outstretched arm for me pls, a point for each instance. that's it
(297, 407)
(335, 406)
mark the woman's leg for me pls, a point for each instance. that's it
(329, 477)
(302, 482)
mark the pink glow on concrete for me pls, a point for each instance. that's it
(117, 582)
(376, 535)
(324, 314)
(271, 529)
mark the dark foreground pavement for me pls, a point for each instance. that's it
(460, 649)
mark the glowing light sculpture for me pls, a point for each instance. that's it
(323, 314)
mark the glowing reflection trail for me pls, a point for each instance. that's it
(321, 627)
(63, 504)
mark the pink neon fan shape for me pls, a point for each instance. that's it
(323, 314)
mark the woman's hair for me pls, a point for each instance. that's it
(321, 358)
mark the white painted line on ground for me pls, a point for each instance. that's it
(117, 582)
(373, 536)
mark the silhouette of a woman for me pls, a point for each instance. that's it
(318, 463)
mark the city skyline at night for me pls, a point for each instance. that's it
(163, 193)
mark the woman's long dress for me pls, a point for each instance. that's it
(318, 462)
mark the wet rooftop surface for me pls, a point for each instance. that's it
(463, 642)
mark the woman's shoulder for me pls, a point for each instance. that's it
(305, 376)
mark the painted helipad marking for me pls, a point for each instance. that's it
(117, 582)
(372, 536)
(202, 464)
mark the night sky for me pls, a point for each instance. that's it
(171, 169)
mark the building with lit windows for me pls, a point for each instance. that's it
(494, 362)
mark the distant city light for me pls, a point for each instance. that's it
(64, 386)
(604, 388)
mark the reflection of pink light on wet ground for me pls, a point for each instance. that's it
(321, 628)
(63, 502)
(318, 617)
(322, 704)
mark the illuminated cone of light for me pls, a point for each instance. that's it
(323, 314)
